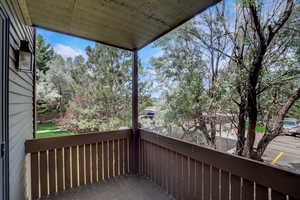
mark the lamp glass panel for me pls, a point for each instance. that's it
(25, 60)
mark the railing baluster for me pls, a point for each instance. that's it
(162, 166)
(198, 180)
(75, 182)
(94, 163)
(143, 158)
(168, 171)
(111, 158)
(34, 175)
(140, 158)
(151, 152)
(173, 173)
(248, 190)
(105, 160)
(192, 177)
(261, 192)
(215, 183)
(185, 177)
(67, 161)
(179, 176)
(100, 161)
(122, 157)
(43, 173)
(59, 167)
(207, 180)
(116, 157)
(128, 157)
(81, 165)
(52, 168)
(88, 163)
(159, 165)
(224, 185)
(235, 187)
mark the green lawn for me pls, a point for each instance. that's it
(48, 127)
(258, 128)
(52, 134)
(48, 130)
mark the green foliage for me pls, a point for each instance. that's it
(41, 107)
(101, 97)
(247, 3)
(44, 53)
(92, 94)
(54, 88)
(296, 41)
(183, 72)
(295, 111)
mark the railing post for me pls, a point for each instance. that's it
(135, 132)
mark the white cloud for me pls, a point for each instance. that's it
(67, 51)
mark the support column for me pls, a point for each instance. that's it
(34, 84)
(135, 112)
(135, 92)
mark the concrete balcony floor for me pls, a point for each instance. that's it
(121, 188)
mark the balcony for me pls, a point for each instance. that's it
(121, 165)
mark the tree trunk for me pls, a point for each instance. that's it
(241, 129)
(213, 132)
(252, 98)
(252, 116)
(203, 129)
(61, 102)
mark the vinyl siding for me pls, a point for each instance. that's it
(20, 105)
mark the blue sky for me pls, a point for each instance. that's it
(68, 46)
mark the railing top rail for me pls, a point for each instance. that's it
(278, 179)
(36, 145)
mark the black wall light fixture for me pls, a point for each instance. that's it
(24, 57)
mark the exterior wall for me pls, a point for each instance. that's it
(20, 104)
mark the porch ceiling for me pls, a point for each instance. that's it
(128, 24)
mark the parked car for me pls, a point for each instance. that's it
(148, 115)
(291, 126)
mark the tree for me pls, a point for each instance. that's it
(102, 90)
(264, 33)
(183, 71)
(44, 54)
(257, 44)
(55, 87)
(254, 54)
(208, 34)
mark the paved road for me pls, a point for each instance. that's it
(290, 146)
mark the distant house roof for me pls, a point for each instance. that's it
(128, 24)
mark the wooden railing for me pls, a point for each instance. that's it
(61, 163)
(188, 171)
(184, 170)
